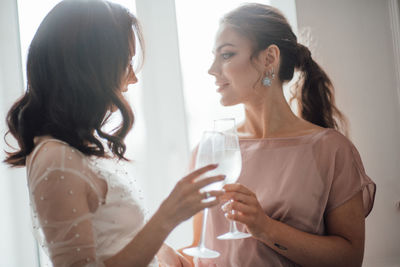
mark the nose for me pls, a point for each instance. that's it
(213, 69)
(132, 79)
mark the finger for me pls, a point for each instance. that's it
(217, 193)
(239, 188)
(240, 197)
(238, 207)
(191, 176)
(213, 193)
(206, 181)
(208, 204)
(238, 217)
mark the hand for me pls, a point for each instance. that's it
(168, 257)
(244, 207)
(185, 200)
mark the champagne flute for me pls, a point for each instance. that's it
(210, 151)
(231, 166)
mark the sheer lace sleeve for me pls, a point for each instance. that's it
(64, 198)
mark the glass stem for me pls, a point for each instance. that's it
(203, 229)
(233, 227)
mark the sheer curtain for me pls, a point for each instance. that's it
(17, 247)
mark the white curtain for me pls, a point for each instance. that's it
(165, 156)
(17, 247)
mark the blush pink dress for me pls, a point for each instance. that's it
(297, 180)
(84, 209)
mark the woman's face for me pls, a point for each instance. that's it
(237, 76)
(130, 75)
(128, 78)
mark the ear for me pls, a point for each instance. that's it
(271, 56)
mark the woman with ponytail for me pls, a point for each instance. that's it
(303, 193)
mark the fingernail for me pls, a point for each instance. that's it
(226, 215)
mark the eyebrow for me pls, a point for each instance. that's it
(222, 46)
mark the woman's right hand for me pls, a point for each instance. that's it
(185, 200)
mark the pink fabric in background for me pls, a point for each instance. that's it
(297, 180)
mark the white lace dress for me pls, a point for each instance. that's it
(84, 210)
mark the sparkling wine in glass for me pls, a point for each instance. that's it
(231, 166)
(210, 151)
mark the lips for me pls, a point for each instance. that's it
(221, 85)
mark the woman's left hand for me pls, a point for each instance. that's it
(242, 206)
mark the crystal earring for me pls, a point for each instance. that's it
(267, 81)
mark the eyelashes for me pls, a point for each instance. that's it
(227, 55)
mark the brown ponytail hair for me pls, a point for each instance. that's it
(264, 25)
(77, 62)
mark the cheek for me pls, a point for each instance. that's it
(242, 74)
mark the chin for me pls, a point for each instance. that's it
(227, 102)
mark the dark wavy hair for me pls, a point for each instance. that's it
(76, 65)
(264, 25)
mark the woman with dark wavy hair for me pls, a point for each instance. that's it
(303, 193)
(85, 214)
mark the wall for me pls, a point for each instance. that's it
(353, 42)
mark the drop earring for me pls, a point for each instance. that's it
(267, 81)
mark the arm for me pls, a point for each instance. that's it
(342, 246)
(64, 214)
(184, 201)
(62, 199)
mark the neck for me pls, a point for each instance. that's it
(269, 114)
